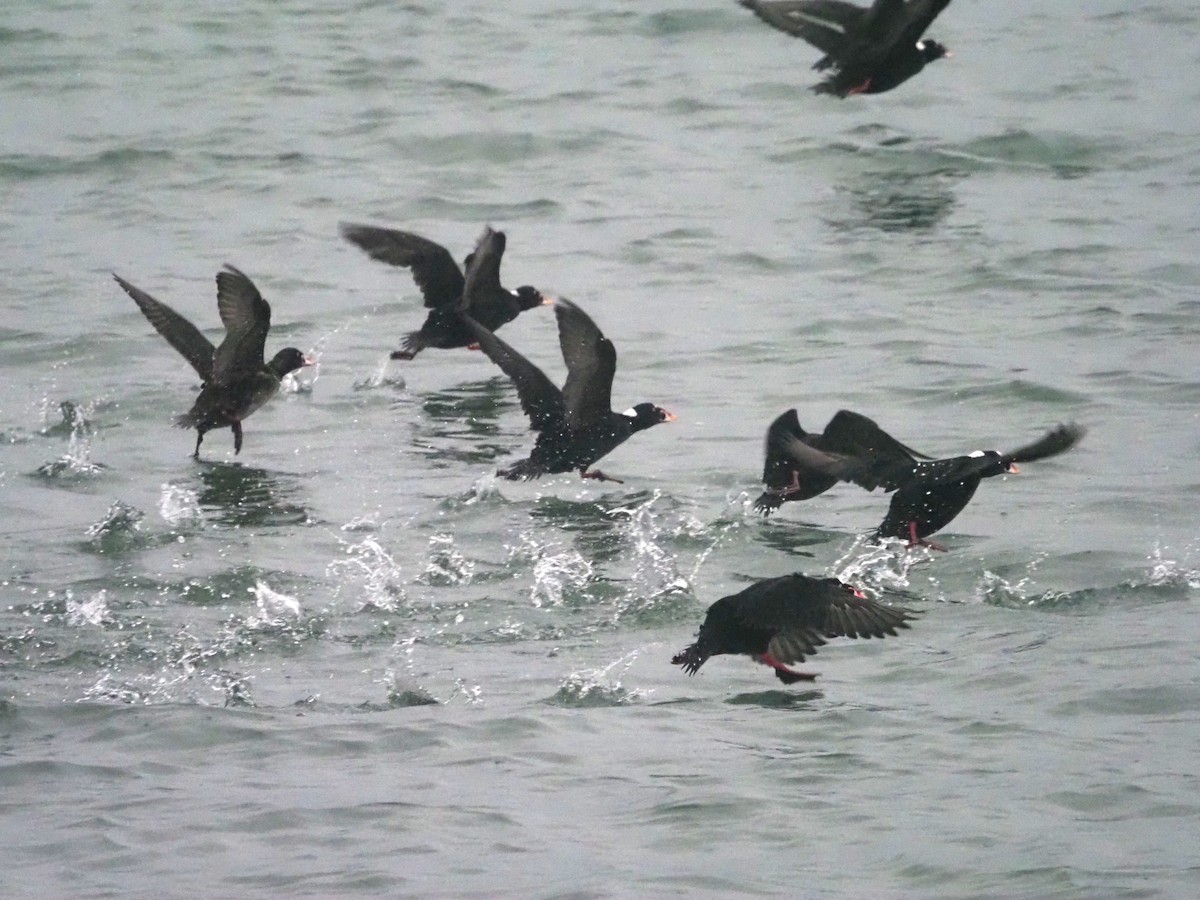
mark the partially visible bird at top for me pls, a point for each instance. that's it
(869, 49)
(441, 283)
(236, 380)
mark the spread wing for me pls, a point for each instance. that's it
(803, 611)
(179, 332)
(591, 362)
(483, 270)
(1053, 442)
(541, 400)
(919, 17)
(247, 318)
(777, 469)
(822, 23)
(851, 432)
(433, 268)
(869, 470)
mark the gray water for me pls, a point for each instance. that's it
(351, 662)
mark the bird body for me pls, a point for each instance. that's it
(442, 284)
(869, 49)
(780, 621)
(576, 425)
(236, 380)
(929, 494)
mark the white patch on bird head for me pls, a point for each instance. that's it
(977, 453)
(631, 412)
(516, 296)
(921, 47)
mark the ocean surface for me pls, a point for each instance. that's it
(352, 662)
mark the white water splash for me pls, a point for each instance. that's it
(1165, 571)
(446, 564)
(880, 566)
(179, 505)
(78, 458)
(120, 519)
(598, 687)
(363, 524)
(554, 573)
(274, 608)
(379, 378)
(92, 611)
(372, 570)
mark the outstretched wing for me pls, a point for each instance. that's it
(777, 468)
(1053, 442)
(541, 400)
(247, 318)
(803, 611)
(433, 268)
(483, 270)
(179, 332)
(919, 17)
(823, 23)
(869, 470)
(591, 362)
(851, 432)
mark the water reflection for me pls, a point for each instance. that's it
(238, 495)
(896, 201)
(461, 424)
(776, 699)
(795, 538)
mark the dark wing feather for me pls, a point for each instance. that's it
(802, 611)
(247, 318)
(591, 362)
(1053, 442)
(920, 16)
(777, 468)
(822, 23)
(868, 470)
(483, 270)
(851, 432)
(179, 332)
(541, 400)
(433, 268)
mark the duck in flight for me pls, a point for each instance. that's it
(868, 50)
(236, 380)
(929, 494)
(441, 282)
(782, 620)
(576, 425)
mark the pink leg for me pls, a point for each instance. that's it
(914, 541)
(768, 660)
(598, 475)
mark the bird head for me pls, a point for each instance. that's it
(288, 360)
(994, 463)
(931, 50)
(529, 297)
(645, 415)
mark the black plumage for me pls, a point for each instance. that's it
(576, 425)
(869, 49)
(929, 494)
(848, 433)
(441, 283)
(236, 380)
(782, 620)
